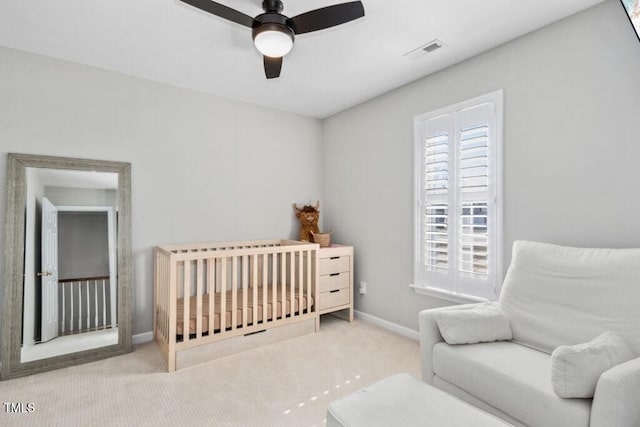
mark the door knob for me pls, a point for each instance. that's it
(44, 273)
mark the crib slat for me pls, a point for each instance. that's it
(308, 257)
(165, 295)
(186, 296)
(164, 299)
(245, 290)
(234, 292)
(211, 290)
(156, 294)
(274, 286)
(254, 287)
(160, 298)
(173, 312)
(292, 282)
(283, 280)
(199, 298)
(265, 289)
(300, 281)
(223, 294)
(158, 324)
(168, 295)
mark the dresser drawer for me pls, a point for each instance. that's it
(333, 298)
(336, 264)
(331, 282)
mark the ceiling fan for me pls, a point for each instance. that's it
(273, 33)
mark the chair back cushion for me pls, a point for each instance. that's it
(557, 295)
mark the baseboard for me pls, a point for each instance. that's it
(390, 326)
(143, 337)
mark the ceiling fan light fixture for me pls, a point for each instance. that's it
(273, 40)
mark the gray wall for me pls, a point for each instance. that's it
(83, 245)
(571, 150)
(203, 168)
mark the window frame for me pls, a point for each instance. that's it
(450, 286)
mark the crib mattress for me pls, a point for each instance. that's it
(305, 301)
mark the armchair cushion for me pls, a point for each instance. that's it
(483, 323)
(575, 370)
(512, 378)
(557, 295)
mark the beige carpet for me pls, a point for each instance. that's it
(285, 384)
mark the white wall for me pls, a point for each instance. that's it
(203, 168)
(571, 152)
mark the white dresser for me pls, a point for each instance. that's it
(336, 279)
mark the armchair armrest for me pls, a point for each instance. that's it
(615, 402)
(430, 336)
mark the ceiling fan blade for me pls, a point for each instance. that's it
(222, 11)
(326, 17)
(272, 67)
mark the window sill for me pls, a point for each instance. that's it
(446, 295)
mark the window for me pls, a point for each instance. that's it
(458, 245)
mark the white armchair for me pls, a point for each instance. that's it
(617, 398)
(552, 296)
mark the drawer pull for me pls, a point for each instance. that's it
(334, 291)
(335, 257)
(334, 274)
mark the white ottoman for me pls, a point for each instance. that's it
(403, 400)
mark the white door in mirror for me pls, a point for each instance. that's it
(50, 269)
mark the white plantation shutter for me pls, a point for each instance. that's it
(436, 207)
(458, 209)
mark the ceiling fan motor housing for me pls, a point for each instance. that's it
(272, 21)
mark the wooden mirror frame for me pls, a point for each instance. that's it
(10, 350)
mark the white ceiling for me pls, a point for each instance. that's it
(327, 71)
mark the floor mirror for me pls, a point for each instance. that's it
(67, 289)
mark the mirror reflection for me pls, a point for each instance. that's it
(70, 262)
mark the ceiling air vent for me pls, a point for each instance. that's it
(416, 53)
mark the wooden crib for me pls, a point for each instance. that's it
(207, 293)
